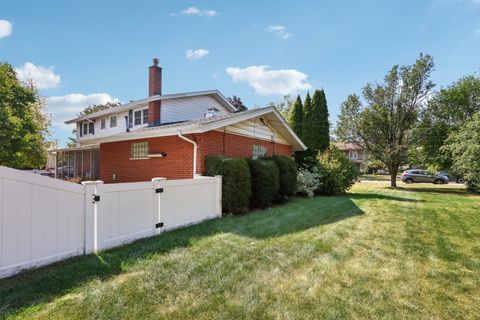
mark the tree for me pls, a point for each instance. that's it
(384, 124)
(349, 110)
(237, 103)
(23, 122)
(445, 114)
(295, 119)
(284, 106)
(320, 126)
(308, 121)
(463, 145)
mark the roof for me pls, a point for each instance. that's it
(127, 106)
(347, 146)
(212, 123)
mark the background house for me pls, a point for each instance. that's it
(355, 153)
(170, 135)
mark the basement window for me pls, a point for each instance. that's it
(139, 150)
(258, 151)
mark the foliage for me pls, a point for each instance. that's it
(308, 181)
(265, 182)
(23, 122)
(349, 110)
(320, 125)
(385, 124)
(287, 176)
(236, 184)
(307, 125)
(237, 103)
(463, 146)
(336, 172)
(295, 119)
(284, 106)
(444, 114)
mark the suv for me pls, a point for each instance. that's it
(452, 176)
(423, 176)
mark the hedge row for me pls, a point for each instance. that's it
(253, 183)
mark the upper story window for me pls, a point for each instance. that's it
(140, 117)
(91, 128)
(258, 151)
(113, 121)
(353, 154)
(85, 128)
(102, 123)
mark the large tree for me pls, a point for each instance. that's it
(445, 113)
(295, 118)
(308, 121)
(384, 124)
(320, 127)
(463, 146)
(237, 103)
(23, 122)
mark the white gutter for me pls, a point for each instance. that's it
(194, 152)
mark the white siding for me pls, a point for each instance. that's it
(256, 129)
(191, 108)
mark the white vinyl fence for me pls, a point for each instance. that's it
(43, 220)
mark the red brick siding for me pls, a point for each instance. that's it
(178, 164)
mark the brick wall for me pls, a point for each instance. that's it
(178, 164)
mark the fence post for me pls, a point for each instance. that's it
(92, 189)
(219, 196)
(157, 186)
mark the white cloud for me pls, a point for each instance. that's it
(196, 54)
(43, 77)
(266, 82)
(194, 11)
(67, 107)
(5, 28)
(279, 31)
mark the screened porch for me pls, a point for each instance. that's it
(78, 162)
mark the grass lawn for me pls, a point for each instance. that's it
(373, 253)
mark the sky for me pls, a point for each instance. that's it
(86, 52)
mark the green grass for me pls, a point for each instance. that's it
(373, 253)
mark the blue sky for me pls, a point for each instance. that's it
(93, 51)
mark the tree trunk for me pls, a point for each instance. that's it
(393, 177)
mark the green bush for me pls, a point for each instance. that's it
(236, 187)
(265, 182)
(287, 176)
(336, 172)
(308, 181)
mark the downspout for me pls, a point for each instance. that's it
(194, 152)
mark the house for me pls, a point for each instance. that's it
(170, 135)
(355, 153)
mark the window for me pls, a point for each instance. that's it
(258, 151)
(102, 123)
(138, 117)
(85, 128)
(352, 154)
(139, 150)
(91, 129)
(145, 115)
(113, 121)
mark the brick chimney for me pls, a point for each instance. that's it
(154, 88)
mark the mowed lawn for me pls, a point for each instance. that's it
(373, 253)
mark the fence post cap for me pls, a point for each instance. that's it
(87, 183)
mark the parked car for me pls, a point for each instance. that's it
(423, 176)
(452, 176)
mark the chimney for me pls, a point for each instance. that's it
(154, 88)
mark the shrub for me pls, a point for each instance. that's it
(287, 171)
(336, 172)
(307, 182)
(265, 182)
(236, 188)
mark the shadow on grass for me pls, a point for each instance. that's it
(442, 190)
(376, 196)
(43, 285)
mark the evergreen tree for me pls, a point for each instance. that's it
(296, 117)
(322, 126)
(308, 115)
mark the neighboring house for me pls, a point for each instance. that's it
(355, 153)
(170, 135)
